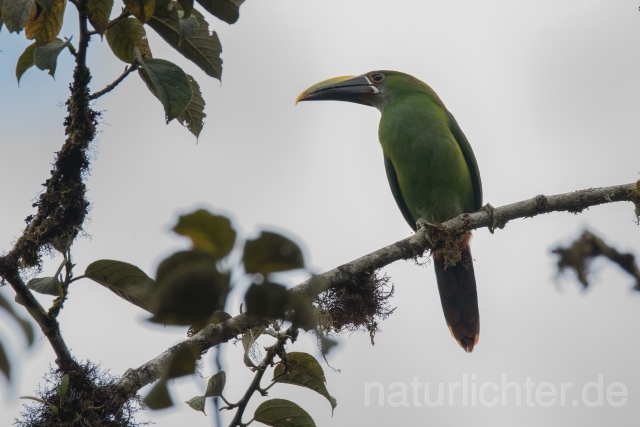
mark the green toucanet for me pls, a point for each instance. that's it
(432, 172)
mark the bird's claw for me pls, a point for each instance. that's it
(492, 216)
(424, 226)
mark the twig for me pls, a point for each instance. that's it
(127, 70)
(125, 14)
(414, 246)
(276, 349)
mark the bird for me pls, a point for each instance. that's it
(432, 172)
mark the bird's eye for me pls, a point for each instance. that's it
(377, 77)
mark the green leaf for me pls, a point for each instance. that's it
(125, 280)
(269, 300)
(190, 289)
(182, 363)
(141, 9)
(305, 372)
(99, 12)
(64, 386)
(25, 61)
(5, 366)
(211, 233)
(192, 117)
(226, 10)
(282, 413)
(125, 36)
(197, 403)
(202, 48)
(216, 384)
(46, 285)
(45, 26)
(271, 252)
(170, 22)
(15, 14)
(27, 329)
(46, 57)
(33, 398)
(158, 397)
(169, 84)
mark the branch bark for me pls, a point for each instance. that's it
(411, 247)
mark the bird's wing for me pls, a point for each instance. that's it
(472, 164)
(395, 190)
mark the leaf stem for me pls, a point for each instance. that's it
(127, 70)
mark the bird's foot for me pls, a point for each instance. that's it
(424, 226)
(492, 216)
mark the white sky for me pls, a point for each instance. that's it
(546, 92)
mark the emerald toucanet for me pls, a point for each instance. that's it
(432, 172)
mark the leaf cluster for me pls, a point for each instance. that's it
(179, 24)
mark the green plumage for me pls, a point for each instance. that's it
(432, 172)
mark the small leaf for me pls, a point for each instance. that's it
(25, 61)
(271, 252)
(158, 397)
(27, 329)
(126, 35)
(15, 14)
(5, 366)
(141, 9)
(46, 285)
(282, 413)
(190, 289)
(54, 409)
(192, 117)
(248, 340)
(46, 57)
(305, 372)
(197, 403)
(33, 398)
(226, 10)
(216, 384)
(211, 233)
(202, 48)
(45, 26)
(182, 363)
(169, 84)
(269, 300)
(125, 280)
(64, 386)
(99, 12)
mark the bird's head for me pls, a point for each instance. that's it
(375, 88)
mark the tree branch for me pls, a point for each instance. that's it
(62, 207)
(411, 247)
(127, 70)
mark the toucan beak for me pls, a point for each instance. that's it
(345, 88)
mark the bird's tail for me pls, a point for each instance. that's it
(457, 287)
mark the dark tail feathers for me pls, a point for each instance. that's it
(457, 287)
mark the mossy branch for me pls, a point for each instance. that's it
(62, 207)
(409, 248)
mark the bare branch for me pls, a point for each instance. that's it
(127, 70)
(411, 247)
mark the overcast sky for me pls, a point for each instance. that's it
(548, 95)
